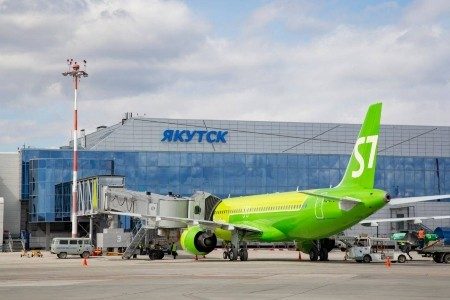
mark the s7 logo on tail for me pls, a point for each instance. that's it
(373, 140)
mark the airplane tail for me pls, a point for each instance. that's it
(360, 170)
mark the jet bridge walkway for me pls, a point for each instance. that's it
(107, 196)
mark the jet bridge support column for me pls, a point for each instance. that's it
(91, 227)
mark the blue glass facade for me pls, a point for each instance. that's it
(219, 173)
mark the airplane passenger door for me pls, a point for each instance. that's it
(318, 207)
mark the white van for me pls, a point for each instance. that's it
(71, 246)
(367, 249)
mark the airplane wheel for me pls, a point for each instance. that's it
(323, 254)
(233, 253)
(243, 255)
(313, 255)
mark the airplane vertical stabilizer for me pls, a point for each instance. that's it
(360, 170)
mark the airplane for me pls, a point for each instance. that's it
(309, 217)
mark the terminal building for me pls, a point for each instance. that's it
(225, 158)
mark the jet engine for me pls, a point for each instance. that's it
(198, 241)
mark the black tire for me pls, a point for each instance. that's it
(367, 258)
(225, 255)
(401, 258)
(152, 255)
(243, 255)
(447, 258)
(62, 255)
(313, 255)
(160, 254)
(323, 254)
(85, 254)
(438, 257)
(232, 255)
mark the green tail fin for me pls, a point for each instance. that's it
(361, 167)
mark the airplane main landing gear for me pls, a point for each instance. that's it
(230, 254)
(235, 249)
(313, 254)
(320, 249)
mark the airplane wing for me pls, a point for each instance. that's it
(192, 222)
(416, 220)
(408, 200)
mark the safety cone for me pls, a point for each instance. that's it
(85, 262)
(387, 262)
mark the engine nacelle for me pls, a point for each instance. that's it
(198, 241)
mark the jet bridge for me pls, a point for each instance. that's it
(102, 196)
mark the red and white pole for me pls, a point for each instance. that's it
(75, 162)
(76, 73)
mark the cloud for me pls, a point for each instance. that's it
(292, 61)
(425, 12)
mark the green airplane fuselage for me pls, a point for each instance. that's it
(305, 216)
(298, 216)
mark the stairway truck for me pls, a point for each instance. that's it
(438, 250)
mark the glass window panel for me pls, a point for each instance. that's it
(324, 178)
(292, 160)
(333, 161)
(343, 161)
(312, 161)
(409, 163)
(303, 162)
(430, 164)
(419, 163)
(399, 163)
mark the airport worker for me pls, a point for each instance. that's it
(173, 250)
(421, 237)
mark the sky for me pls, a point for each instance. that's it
(301, 61)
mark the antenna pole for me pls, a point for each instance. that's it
(76, 73)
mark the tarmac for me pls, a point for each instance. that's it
(267, 275)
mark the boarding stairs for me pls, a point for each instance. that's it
(130, 251)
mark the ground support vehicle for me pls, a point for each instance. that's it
(372, 249)
(71, 246)
(439, 252)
